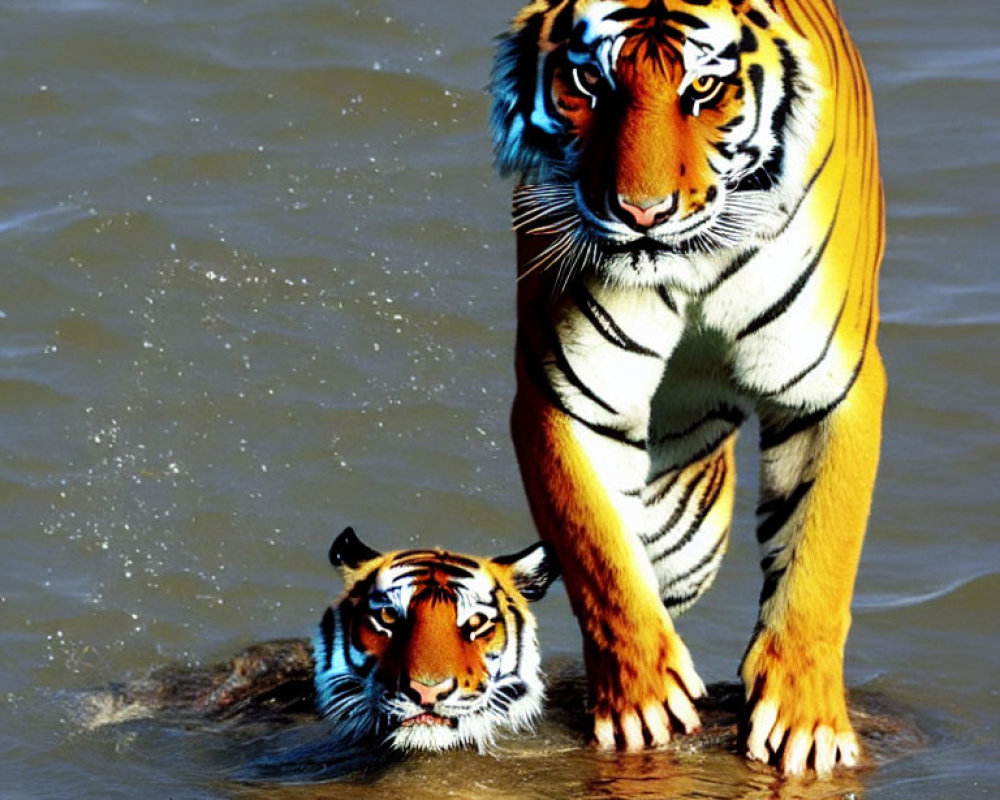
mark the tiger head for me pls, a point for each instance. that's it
(651, 135)
(428, 649)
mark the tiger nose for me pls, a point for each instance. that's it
(646, 216)
(428, 695)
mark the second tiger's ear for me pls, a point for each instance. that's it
(533, 569)
(349, 551)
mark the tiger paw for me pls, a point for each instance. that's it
(643, 693)
(797, 709)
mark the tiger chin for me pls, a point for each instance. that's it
(428, 649)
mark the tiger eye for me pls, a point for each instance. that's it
(704, 84)
(474, 622)
(388, 615)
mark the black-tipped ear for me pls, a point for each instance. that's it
(534, 570)
(348, 550)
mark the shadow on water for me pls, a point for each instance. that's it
(247, 728)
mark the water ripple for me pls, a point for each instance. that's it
(884, 602)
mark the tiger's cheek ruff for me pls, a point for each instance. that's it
(347, 693)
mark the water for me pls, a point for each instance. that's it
(256, 285)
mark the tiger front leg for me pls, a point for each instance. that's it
(640, 673)
(817, 483)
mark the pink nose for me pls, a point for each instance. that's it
(648, 216)
(429, 695)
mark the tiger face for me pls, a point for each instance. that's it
(653, 137)
(428, 649)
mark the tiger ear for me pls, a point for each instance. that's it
(348, 550)
(533, 569)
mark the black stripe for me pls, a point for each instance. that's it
(756, 76)
(416, 572)
(562, 25)
(704, 562)
(527, 65)
(779, 510)
(563, 365)
(605, 324)
(724, 413)
(772, 436)
(522, 641)
(666, 298)
(430, 557)
(816, 362)
(771, 582)
(770, 314)
(806, 189)
(403, 556)
(673, 600)
(679, 509)
(704, 452)
(663, 491)
(540, 379)
(452, 570)
(733, 267)
(368, 663)
(327, 627)
(779, 118)
(705, 505)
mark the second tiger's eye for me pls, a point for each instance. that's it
(475, 621)
(388, 615)
(588, 79)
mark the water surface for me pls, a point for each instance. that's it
(256, 285)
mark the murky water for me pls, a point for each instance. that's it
(256, 284)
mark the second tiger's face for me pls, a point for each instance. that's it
(429, 649)
(655, 128)
(438, 641)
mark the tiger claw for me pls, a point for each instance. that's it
(657, 724)
(604, 733)
(631, 729)
(762, 722)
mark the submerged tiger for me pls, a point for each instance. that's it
(699, 223)
(429, 649)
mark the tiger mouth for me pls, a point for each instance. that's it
(646, 246)
(429, 719)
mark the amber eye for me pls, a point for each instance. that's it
(388, 615)
(475, 621)
(477, 625)
(704, 88)
(384, 618)
(588, 80)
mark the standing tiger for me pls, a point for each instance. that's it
(699, 229)
(429, 649)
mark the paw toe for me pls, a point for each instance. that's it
(657, 723)
(631, 728)
(762, 722)
(604, 733)
(825, 751)
(847, 746)
(796, 753)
